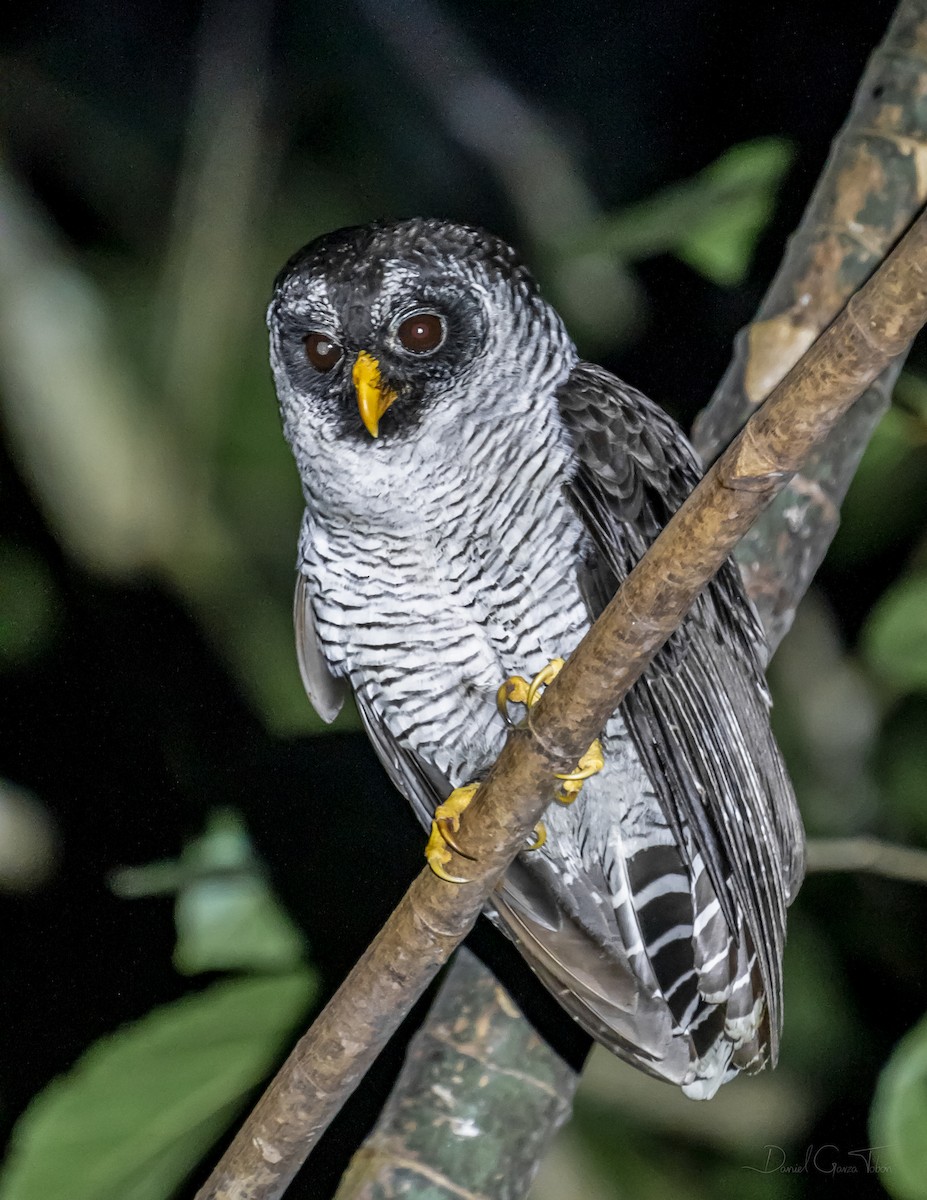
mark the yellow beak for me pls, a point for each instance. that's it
(373, 398)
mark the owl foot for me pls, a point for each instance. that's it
(517, 690)
(444, 828)
(590, 764)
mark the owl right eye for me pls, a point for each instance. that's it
(322, 352)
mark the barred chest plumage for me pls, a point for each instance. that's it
(427, 594)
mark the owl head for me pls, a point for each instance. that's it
(385, 333)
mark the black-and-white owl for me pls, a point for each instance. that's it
(474, 495)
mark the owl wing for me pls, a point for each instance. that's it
(699, 716)
(421, 784)
(326, 692)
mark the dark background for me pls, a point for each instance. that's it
(126, 709)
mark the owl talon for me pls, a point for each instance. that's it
(444, 826)
(447, 828)
(540, 837)
(542, 679)
(590, 764)
(513, 691)
(517, 690)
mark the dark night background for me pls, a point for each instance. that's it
(158, 164)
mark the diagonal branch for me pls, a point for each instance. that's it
(433, 917)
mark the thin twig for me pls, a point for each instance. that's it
(868, 854)
(434, 916)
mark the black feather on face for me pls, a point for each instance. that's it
(412, 295)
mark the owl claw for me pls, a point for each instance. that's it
(517, 690)
(513, 691)
(540, 837)
(444, 826)
(590, 764)
(542, 679)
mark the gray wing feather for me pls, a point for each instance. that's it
(699, 717)
(326, 692)
(421, 784)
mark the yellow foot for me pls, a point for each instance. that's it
(517, 690)
(444, 828)
(590, 764)
(540, 837)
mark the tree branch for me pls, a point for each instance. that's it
(874, 183)
(868, 854)
(437, 1113)
(434, 916)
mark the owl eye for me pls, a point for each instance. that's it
(322, 352)
(421, 333)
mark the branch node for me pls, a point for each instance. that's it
(751, 467)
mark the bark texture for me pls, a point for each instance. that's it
(873, 185)
(475, 1058)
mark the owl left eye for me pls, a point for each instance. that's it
(421, 333)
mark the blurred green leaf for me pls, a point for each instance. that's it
(26, 605)
(875, 516)
(903, 767)
(819, 1018)
(233, 923)
(895, 637)
(140, 1108)
(711, 221)
(739, 198)
(911, 396)
(636, 1164)
(620, 1150)
(226, 914)
(230, 920)
(899, 1117)
(29, 841)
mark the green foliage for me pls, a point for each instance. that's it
(711, 221)
(633, 1163)
(896, 635)
(883, 507)
(875, 516)
(226, 916)
(140, 1108)
(903, 754)
(899, 1118)
(820, 1020)
(26, 605)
